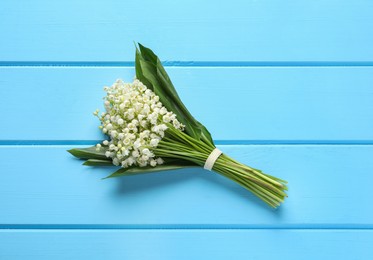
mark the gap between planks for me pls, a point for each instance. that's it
(182, 227)
(217, 142)
(189, 64)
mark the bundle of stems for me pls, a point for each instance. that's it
(177, 144)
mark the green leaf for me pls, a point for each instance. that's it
(89, 153)
(96, 162)
(140, 170)
(178, 162)
(151, 72)
(139, 73)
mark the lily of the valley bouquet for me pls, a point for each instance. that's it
(149, 129)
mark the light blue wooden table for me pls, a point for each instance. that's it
(284, 86)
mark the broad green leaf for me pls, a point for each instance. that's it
(178, 162)
(149, 72)
(96, 162)
(139, 73)
(150, 69)
(140, 170)
(89, 153)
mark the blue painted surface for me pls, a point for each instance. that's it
(292, 83)
(256, 103)
(236, 30)
(186, 244)
(58, 192)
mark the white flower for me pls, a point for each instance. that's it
(115, 161)
(166, 119)
(154, 142)
(125, 152)
(113, 133)
(135, 153)
(126, 141)
(153, 162)
(163, 127)
(135, 121)
(176, 124)
(159, 160)
(137, 144)
(163, 111)
(142, 163)
(146, 152)
(131, 160)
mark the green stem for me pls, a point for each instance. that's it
(177, 144)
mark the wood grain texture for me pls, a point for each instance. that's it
(42, 186)
(186, 244)
(248, 103)
(238, 30)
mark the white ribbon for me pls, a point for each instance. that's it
(210, 161)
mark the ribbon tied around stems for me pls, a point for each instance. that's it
(210, 161)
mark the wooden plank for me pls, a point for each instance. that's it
(238, 30)
(186, 244)
(240, 103)
(43, 186)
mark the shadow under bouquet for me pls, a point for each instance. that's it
(149, 129)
